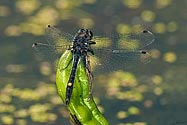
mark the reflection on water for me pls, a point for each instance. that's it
(40, 104)
(154, 94)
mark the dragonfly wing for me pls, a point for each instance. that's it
(123, 51)
(56, 43)
(120, 59)
(135, 41)
(57, 37)
(129, 42)
(49, 52)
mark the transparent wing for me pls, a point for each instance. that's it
(123, 51)
(57, 37)
(127, 42)
(120, 59)
(56, 43)
(120, 51)
(135, 41)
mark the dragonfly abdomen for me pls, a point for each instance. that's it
(69, 88)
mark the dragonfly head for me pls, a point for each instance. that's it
(84, 34)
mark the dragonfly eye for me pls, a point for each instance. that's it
(81, 31)
(90, 34)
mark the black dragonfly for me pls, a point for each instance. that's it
(84, 45)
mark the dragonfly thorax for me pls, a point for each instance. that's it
(82, 41)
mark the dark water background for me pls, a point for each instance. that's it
(154, 94)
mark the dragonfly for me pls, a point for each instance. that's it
(84, 45)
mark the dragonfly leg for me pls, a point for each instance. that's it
(91, 50)
(89, 75)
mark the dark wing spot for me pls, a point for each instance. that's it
(34, 44)
(143, 52)
(144, 31)
(49, 25)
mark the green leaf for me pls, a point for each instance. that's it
(81, 110)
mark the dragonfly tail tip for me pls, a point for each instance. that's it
(67, 101)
